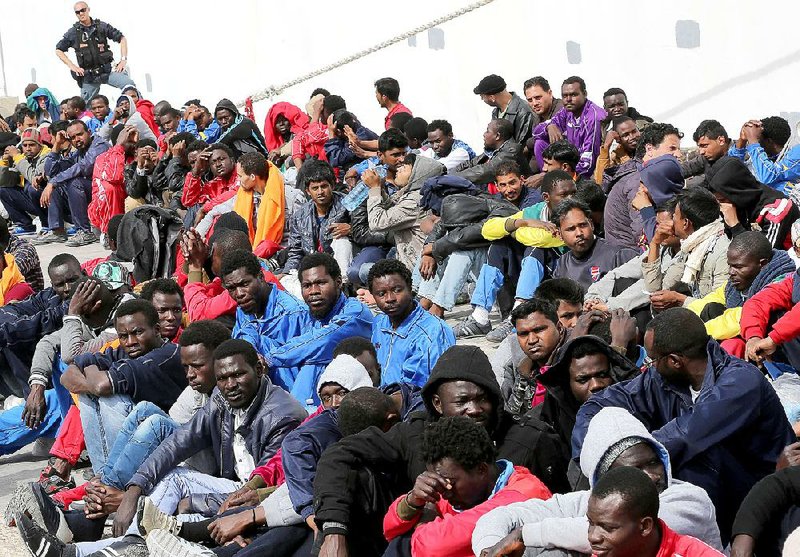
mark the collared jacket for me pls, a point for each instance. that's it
(481, 170)
(283, 319)
(407, 354)
(297, 362)
(77, 166)
(23, 323)
(724, 441)
(307, 234)
(584, 132)
(519, 113)
(272, 414)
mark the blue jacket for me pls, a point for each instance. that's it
(23, 323)
(94, 124)
(297, 363)
(156, 377)
(777, 174)
(338, 150)
(300, 453)
(408, 354)
(724, 442)
(284, 318)
(209, 135)
(77, 166)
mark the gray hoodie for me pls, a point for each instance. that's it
(560, 522)
(134, 119)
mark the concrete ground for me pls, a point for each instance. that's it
(23, 466)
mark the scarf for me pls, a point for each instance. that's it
(10, 278)
(778, 267)
(696, 246)
(244, 203)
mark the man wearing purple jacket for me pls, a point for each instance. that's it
(580, 121)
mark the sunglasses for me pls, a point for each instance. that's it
(82, 10)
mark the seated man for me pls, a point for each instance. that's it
(713, 143)
(167, 298)
(127, 113)
(625, 133)
(499, 146)
(409, 340)
(512, 265)
(22, 203)
(615, 102)
(171, 169)
(27, 259)
(615, 439)
(753, 265)
(456, 447)
(142, 183)
(589, 258)
(765, 143)
(198, 121)
(297, 362)
(341, 125)
(446, 149)
(101, 112)
(108, 177)
(703, 254)
(109, 384)
(696, 388)
(313, 227)
(579, 120)
(461, 383)
(310, 143)
(213, 173)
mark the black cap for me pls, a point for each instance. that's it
(461, 363)
(490, 85)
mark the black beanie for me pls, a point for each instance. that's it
(461, 363)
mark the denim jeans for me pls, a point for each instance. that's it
(79, 195)
(530, 278)
(182, 483)
(115, 79)
(22, 204)
(102, 419)
(143, 430)
(446, 284)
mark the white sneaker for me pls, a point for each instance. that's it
(162, 543)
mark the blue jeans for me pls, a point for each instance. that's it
(22, 204)
(142, 431)
(102, 419)
(78, 194)
(446, 284)
(183, 482)
(115, 79)
(362, 263)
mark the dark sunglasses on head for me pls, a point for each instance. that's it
(79, 12)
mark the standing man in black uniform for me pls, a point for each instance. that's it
(90, 39)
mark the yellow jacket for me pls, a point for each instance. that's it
(726, 325)
(495, 229)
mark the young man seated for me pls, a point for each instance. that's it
(695, 388)
(589, 258)
(409, 340)
(764, 142)
(22, 200)
(615, 439)
(499, 146)
(447, 149)
(625, 134)
(167, 297)
(463, 481)
(521, 255)
(213, 173)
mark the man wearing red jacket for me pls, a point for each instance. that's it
(213, 173)
(108, 177)
(777, 304)
(462, 483)
(143, 107)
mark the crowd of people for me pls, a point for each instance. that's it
(261, 365)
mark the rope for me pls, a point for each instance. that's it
(275, 90)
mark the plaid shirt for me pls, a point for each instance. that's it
(28, 261)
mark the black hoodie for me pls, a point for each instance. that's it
(243, 136)
(396, 455)
(754, 202)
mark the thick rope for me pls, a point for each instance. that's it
(275, 90)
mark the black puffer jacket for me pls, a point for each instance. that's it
(461, 221)
(273, 414)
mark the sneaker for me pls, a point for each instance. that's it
(162, 543)
(49, 237)
(129, 546)
(149, 518)
(81, 238)
(39, 542)
(470, 328)
(52, 482)
(18, 502)
(499, 333)
(45, 513)
(20, 230)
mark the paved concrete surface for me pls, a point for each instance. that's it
(23, 466)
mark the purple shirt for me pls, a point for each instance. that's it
(584, 132)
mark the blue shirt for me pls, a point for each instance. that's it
(780, 174)
(407, 354)
(297, 363)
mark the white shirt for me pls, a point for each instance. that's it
(694, 394)
(244, 460)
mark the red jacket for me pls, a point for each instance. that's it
(145, 108)
(677, 545)
(451, 533)
(195, 190)
(757, 310)
(211, 300)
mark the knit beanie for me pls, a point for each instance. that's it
(614, 451)
(346, 371)
(461, 363)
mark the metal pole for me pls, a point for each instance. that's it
(3, 67)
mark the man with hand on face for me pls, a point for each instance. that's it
(70, 184)
(499, 146)
(213, 173)
(626, 133)
(108, 177)
(461, 384)
(765, 145)
(141, 179)
(23, 202)
(559, 526)
(580, 121)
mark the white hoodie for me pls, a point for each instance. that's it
(560, 522)
(134, 119)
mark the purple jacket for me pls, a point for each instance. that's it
(584, 132)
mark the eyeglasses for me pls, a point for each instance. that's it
(82, 10)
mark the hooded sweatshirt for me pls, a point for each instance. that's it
(756, 204)
(134, 119)
(243, 136)
(560, 522)
(401, 213)
(145, 109)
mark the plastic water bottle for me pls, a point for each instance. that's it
(356, 196)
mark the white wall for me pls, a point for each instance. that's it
(747, 64)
